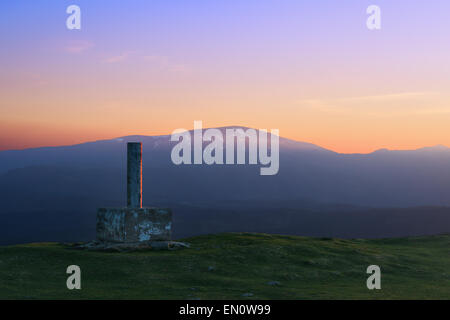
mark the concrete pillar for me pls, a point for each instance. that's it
(134, 175)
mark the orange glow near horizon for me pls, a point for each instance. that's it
(343, 116)
(358, 134)
(53, 113)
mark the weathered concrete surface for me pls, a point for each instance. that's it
(134, 174)
(134, 224)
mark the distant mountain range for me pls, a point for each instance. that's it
(52, 193)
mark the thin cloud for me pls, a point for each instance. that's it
(389, 97)
(373, 98)
(377, 105)
(77, 47)
(166, 64)
(119, 58)
(161, 62)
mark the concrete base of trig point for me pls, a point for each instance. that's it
(128, 225)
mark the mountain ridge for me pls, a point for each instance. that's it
(437, 147)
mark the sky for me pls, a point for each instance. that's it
(311, 69)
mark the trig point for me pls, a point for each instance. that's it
(134, 224)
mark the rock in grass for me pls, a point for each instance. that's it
(129, 246)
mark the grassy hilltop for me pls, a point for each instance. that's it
(235, 266)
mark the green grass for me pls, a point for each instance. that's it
(307, 268)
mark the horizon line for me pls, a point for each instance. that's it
(438, 145)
